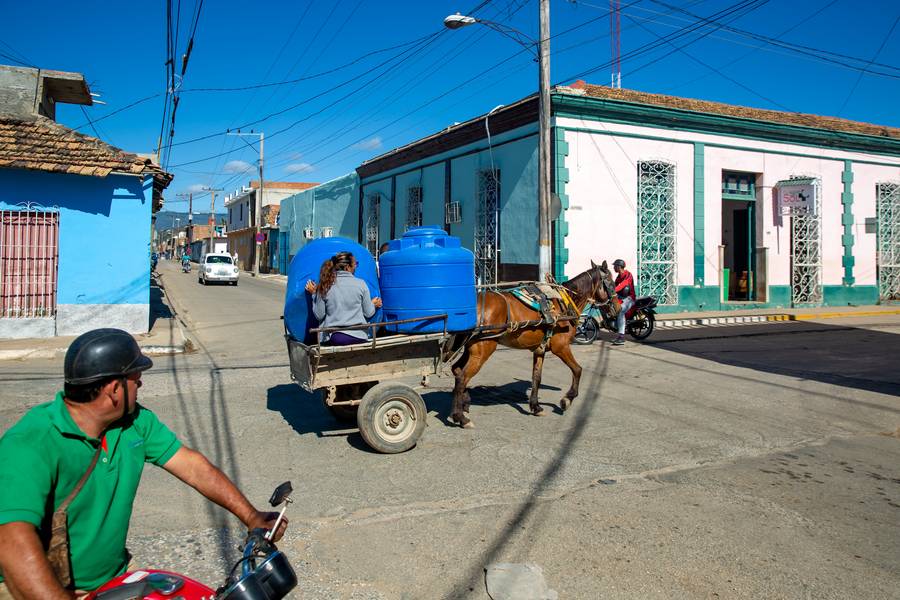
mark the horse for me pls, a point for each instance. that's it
(501, 311)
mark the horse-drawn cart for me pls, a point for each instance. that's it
(360, 381)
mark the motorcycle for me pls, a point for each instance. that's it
(185, 267)
(640, 321)
(262, 573)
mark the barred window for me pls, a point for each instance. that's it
(656, 231)
(414, 207)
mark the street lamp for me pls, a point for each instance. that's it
(456, 22)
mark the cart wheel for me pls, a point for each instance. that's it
(391, 417)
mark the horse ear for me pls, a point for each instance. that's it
(605, 266)
(593, 265)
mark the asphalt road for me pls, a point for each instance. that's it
(742, 462)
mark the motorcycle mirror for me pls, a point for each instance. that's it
(281, 493)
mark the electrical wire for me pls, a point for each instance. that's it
(817, 53)
(747, 54)
(649, 47)
(417, 78)
(861, 73)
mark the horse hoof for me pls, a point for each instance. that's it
(538, 411)
(564, 404)
(468, 425)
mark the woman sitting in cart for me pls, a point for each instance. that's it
(341, 299)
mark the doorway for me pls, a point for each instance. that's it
(739, 240)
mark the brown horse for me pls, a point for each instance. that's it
(502, 311)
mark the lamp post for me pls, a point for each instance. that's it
(457, 21)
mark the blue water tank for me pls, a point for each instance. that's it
(425, 273)
(305, 266)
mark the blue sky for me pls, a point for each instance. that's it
(411, 77)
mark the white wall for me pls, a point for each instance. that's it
(602, 192)
(603, 195)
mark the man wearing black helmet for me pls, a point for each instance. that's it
(625, 292)
(83, 454)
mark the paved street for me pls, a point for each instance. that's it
(747, 462)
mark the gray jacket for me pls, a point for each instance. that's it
(346, 303)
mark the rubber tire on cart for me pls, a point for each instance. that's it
(647, 328)
(586, 331)
(391, 417)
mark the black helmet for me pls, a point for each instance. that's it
(619, 263)
(101, 354)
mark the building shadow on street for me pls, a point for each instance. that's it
(158, 307)
(851, 357)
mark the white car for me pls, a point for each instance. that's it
(217, 267)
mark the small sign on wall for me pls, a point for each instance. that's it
(796, 196)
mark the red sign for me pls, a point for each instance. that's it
(260, 238)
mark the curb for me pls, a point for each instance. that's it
(749, 319)
(27, 353)
(186, 346)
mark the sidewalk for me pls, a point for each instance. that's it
(764, 315)
(166, 335)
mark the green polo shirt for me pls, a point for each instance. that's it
(44, 455)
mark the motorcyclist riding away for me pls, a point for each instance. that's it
(94, 433)
(625, 292)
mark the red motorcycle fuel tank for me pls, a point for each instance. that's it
(152, 584)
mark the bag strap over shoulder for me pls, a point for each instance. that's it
(58, 546)
(65, 503)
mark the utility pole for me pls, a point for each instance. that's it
(259, 198)
(544, 248)
(212, 218)
(190, 197)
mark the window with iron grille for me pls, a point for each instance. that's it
(373, 219)
(487, 227)
(656, 231)
(888, 232)
(29, 260)
(738, 186)
(414, 206)
(454, 213)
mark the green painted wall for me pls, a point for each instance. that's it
(699, 213)
(847, 221)
(561, 225)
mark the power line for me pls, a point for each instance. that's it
(734, 16)
(649, 47)
(747, 54)
(710, 67)
(874, 58)
(417, 78)
(798, 48)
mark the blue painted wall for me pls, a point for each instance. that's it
(331, 204)
(104, 232)
(517, 161)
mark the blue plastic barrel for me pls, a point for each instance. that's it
(424, 273)
(305, 266)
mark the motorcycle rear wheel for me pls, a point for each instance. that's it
(586, 331)
(642, 325)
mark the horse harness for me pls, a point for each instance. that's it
(537, 299)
